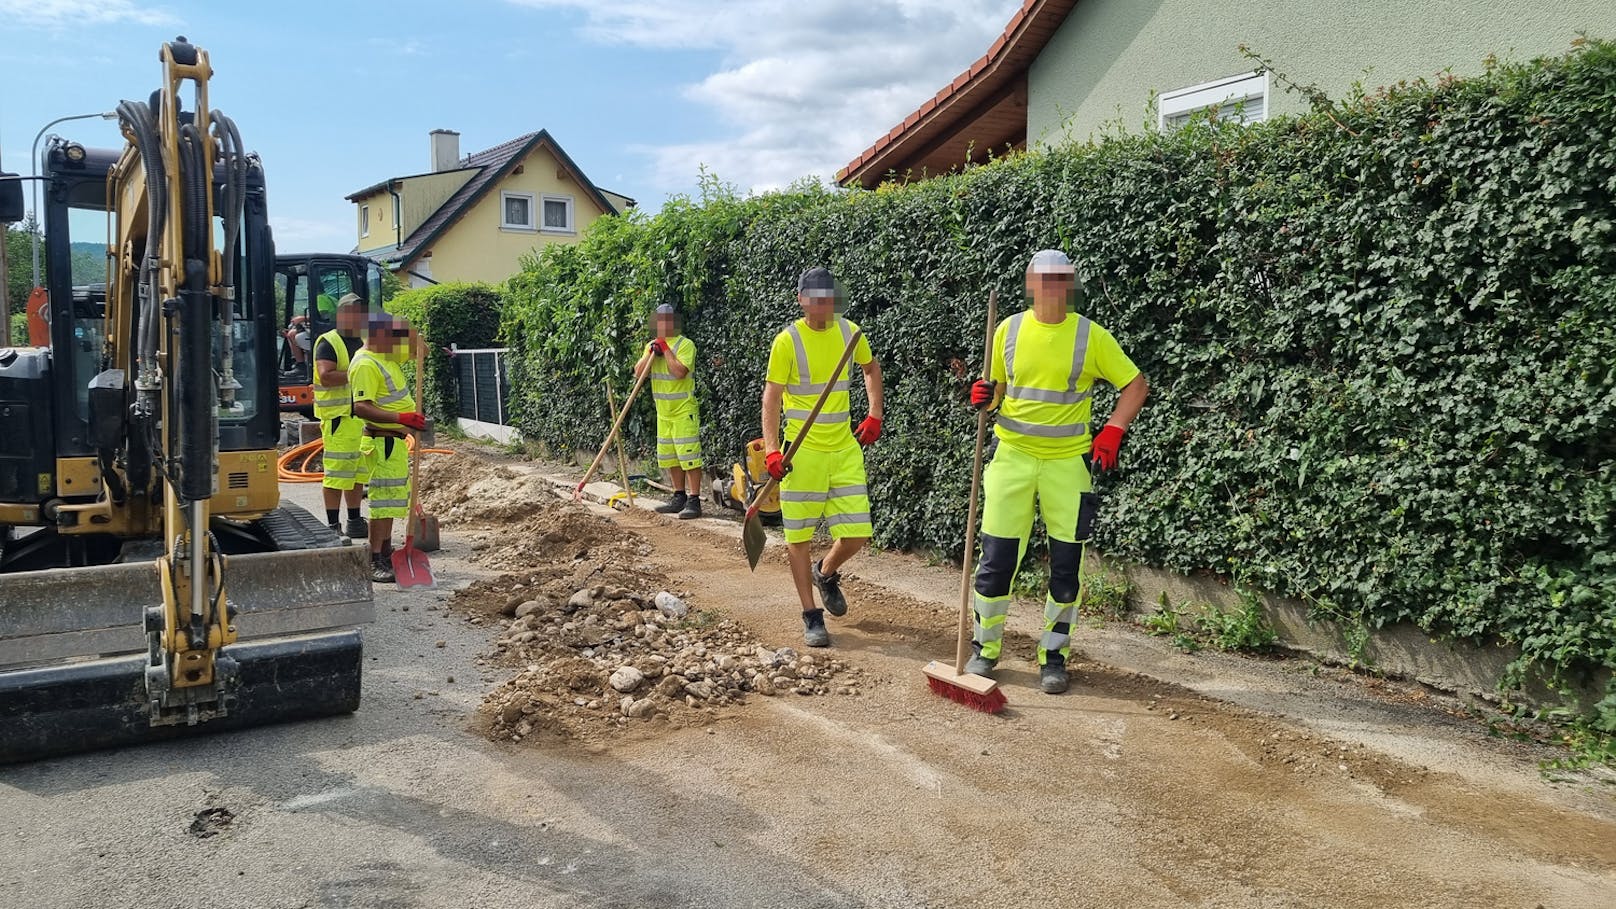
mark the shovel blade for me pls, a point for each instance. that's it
(753, 538)
(412, 568)
(426, 533)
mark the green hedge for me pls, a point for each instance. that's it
(467, 315)
(1382, 341)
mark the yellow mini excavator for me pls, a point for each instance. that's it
(151, 583)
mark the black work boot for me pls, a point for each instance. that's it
(692, 508)
(830, 590)
(979, 664)
(381, 568)
(358, 529)
(675, 504)
(1052, 676)
(813, 629)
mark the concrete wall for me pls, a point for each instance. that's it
(1402, 650)
(478, 248)
(1110, 55)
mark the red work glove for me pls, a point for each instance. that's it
(413, 420)
(1106, 445)
(868, 431)
(776, 463)
(982, 393)
(659, 346)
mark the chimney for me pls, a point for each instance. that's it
(445, 150)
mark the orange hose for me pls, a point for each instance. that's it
(292, 466)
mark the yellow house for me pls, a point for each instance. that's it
(473, 218)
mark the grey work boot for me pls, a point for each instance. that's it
(674, 506)
(381, 569)
(979, 664)
(1052, 676)
(692, 508)
(813, 629)
(358, 529)
(830, 590)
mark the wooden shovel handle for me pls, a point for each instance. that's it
(617, 424)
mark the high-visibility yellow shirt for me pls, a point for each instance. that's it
(801, 359)
(380, 381)
(675, 397)
(332, 401)
(1047, 373)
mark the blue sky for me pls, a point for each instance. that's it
(338, 95)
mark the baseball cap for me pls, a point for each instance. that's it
(816, 282)
(350, 299)
(1051, 261)
(666, 309)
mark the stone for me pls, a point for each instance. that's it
(580, 600)
(627, 678)
(528, 608)
(786, 655)
(671, 606)
(625, 704)
(643, 707)
(703, 690)
(807, 672)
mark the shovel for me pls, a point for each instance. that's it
(752, 536)
(411, 567)
(605, 446)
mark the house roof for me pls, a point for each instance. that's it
(492, 165)
(983, 108)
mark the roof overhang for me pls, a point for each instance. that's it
(982, 112)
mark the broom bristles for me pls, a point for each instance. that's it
(992, 702)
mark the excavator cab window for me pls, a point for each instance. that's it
(87, 232)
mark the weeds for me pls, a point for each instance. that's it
(1244, 630)
(1104, 595)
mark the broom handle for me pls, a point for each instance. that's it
(616, 425)
(807, 424)
(622, 462)
(964, 647)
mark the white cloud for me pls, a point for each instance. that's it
(69, 13)
(308, 234)
(804, 85)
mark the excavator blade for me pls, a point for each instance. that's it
(73, 650)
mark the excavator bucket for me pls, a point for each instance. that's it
(74, 652)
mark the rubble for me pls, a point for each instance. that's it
(601, 643)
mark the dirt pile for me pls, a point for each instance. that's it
(601, 643)
(605, 656)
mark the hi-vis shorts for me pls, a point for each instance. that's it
(826, 485)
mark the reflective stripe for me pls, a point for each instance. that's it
(670, 395)
(991, 614)
(1045, 396)
(862, 517)
(385, 481)
(805, 384)
(330, 455)
(837, 492)
(1058, 431)
(1080, 351)
(1067, 614)
(388, 503)
(802, 495)
(332, 400)
(341, 474)
(663, 374)
(798, 523)
(1053, 641)
(825, 416)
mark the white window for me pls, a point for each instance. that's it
(364, 220)
(516, 211)
(558, 214)
(1243, 99)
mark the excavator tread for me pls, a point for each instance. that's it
(292, 528)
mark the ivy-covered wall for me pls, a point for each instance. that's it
(1381, 337)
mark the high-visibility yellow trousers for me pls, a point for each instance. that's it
(826, 485)
(1014, 483)
(346, 456)
(389, 492)
(678, 442)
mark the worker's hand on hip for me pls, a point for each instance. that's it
(982, 391)
(1106, 446)
(868, 431)
(659, 347)
(776, 463)
(413, 420)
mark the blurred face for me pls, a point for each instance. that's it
(818, 310)
(667, 326)
(351, 320)
(1049, 286)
